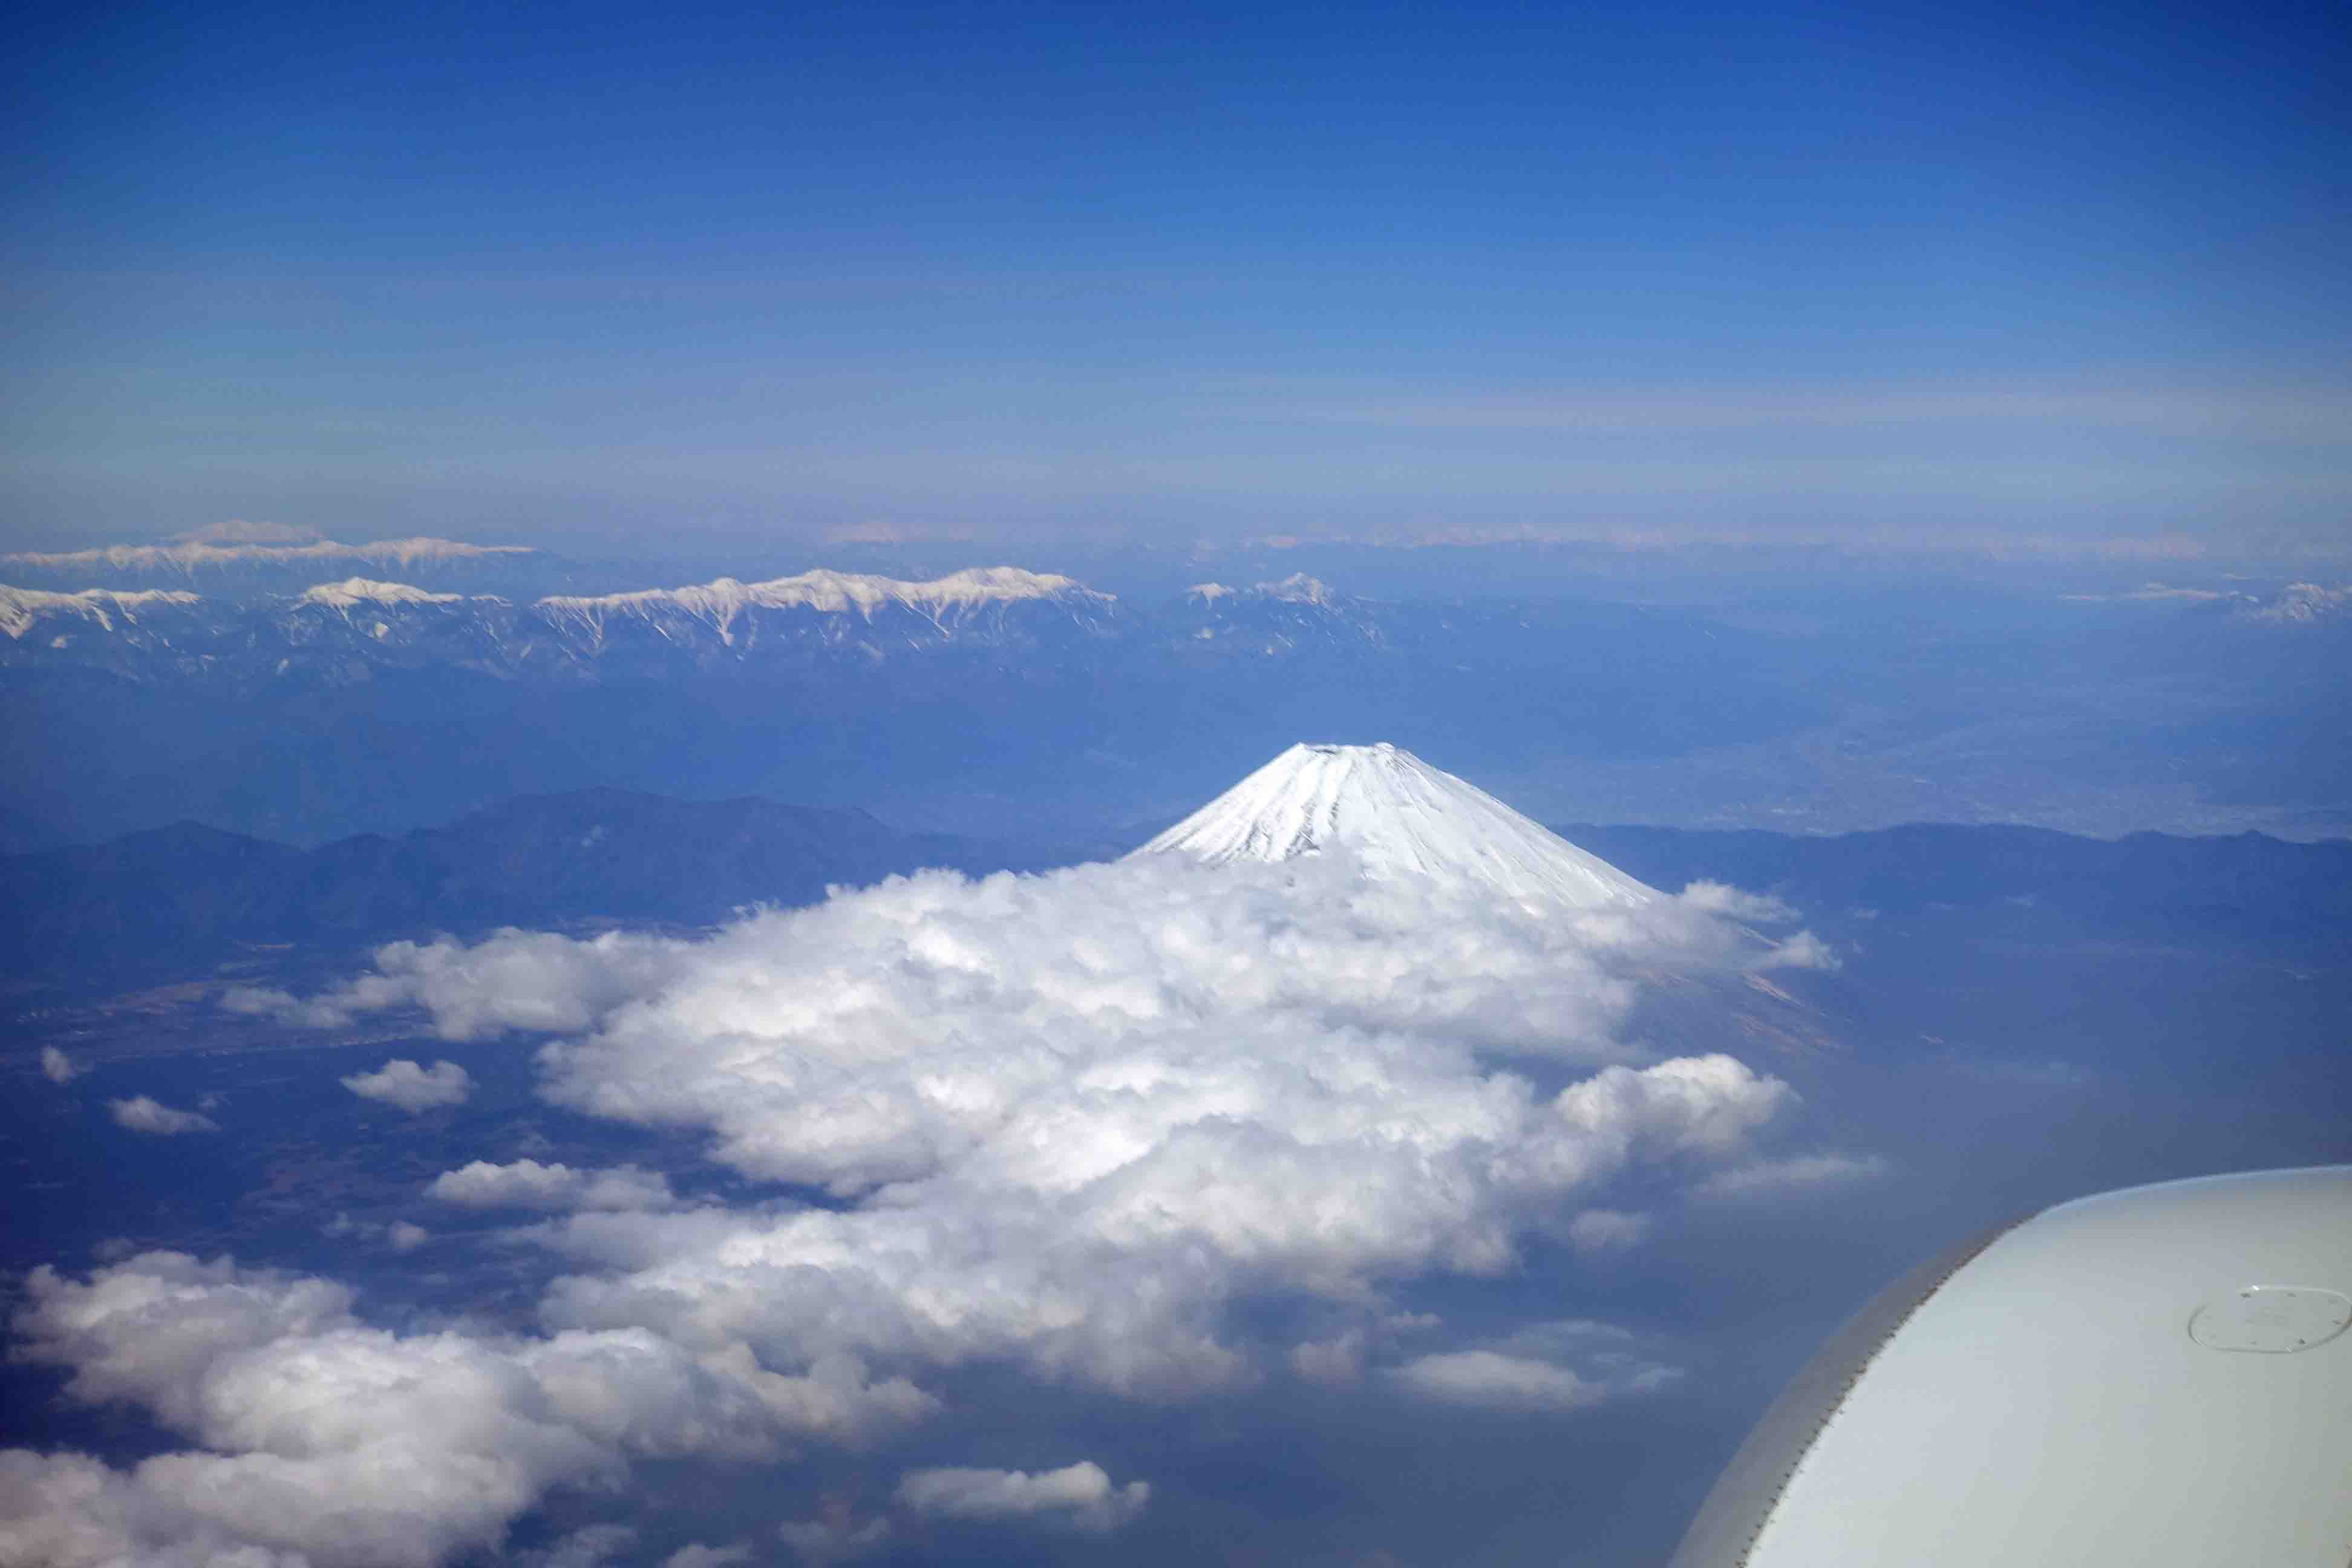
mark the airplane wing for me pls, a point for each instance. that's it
(2153, 1378)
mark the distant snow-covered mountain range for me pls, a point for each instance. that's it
(340, 630)
(1033, 700)
(276, 688)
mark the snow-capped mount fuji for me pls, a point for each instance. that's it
(1396, 814)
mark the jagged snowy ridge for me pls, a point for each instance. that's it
(776, 624)
(717, 603)
(20, 608)
(1297, 588)
(1395, 814)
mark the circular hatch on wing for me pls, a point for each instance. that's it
(2273, 1320)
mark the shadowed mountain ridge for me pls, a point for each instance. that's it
(179, 899)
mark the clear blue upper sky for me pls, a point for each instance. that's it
(1932, 273)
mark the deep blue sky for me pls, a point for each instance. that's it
(1933, 274)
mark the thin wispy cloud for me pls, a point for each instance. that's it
(1765, 1180)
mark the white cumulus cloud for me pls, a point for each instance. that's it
(1080, 1494)
(518, 980)
(592, 1546)
(695, 1554)
(528, 1184)
(1718, 897)
(141, 1114)
(356, 1448)
(1548, 1367)
(414, 1089)
(56, 1066)
(1069, 1121)
(1495, 1381)
(835, 1535)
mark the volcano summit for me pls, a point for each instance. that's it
(1396, 815)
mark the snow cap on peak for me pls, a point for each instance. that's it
(1396, 815)
(353, 592)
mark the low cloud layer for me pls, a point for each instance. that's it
(1078, 1127)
